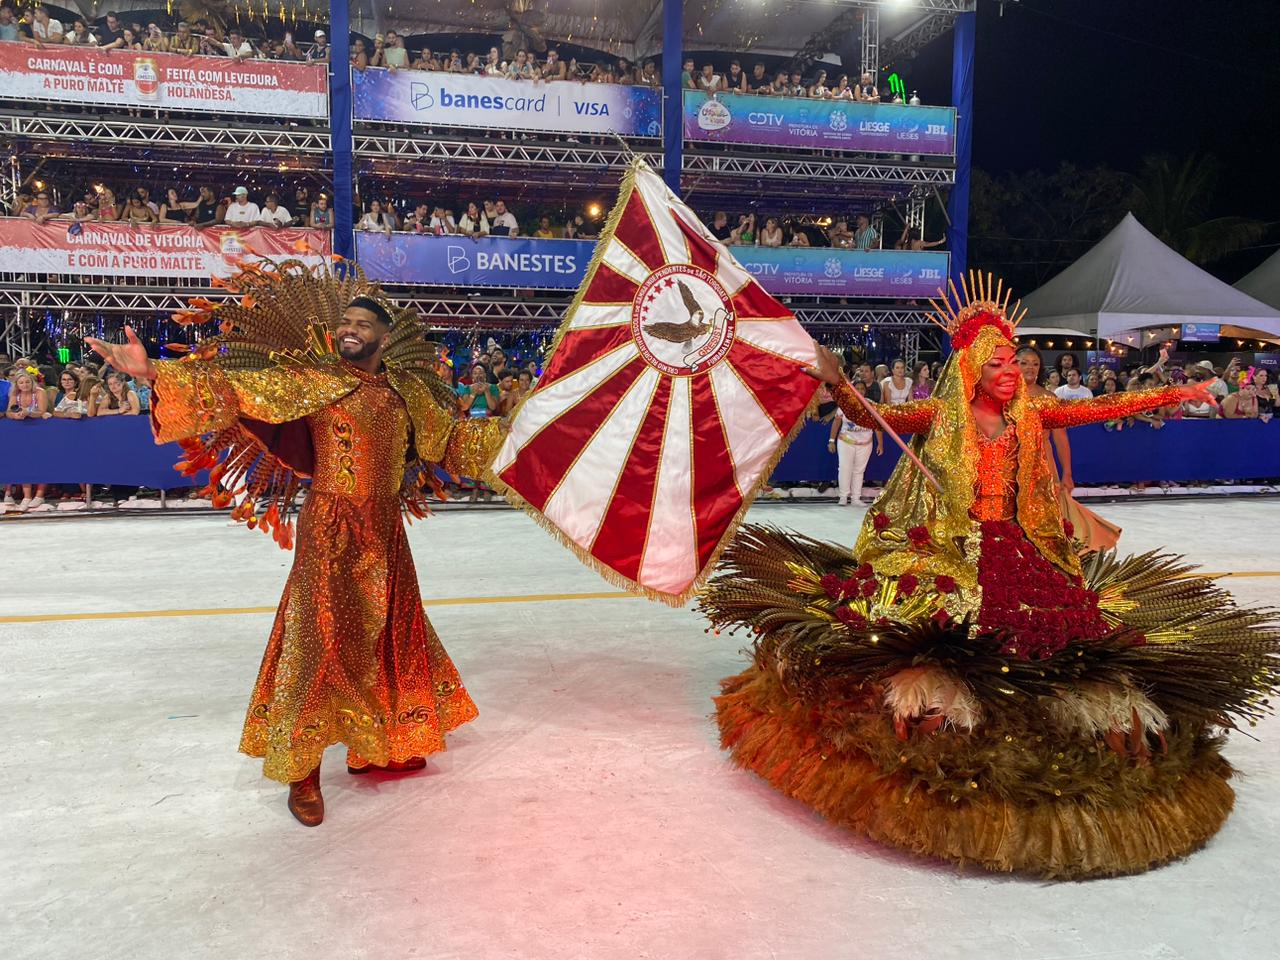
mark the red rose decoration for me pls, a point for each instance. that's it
(869, 588)
(919, 536)
(851, 618)
(880, 521)
(907, 584)
(831, 584)
(1067, 527)
(864, 572)
(942, 618)
(944, 584)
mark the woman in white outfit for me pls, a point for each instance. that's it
(852, 445)
(896, 388)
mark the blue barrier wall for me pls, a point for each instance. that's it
(120, 450)
(106, 450)
(1181, 451)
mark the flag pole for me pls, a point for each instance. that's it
(875, 414)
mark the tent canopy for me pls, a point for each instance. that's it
(1131, 281)
(1263, 282)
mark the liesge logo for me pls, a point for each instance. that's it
(714, 115)
(420, 96)
(457, 259)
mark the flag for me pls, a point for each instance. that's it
(673, 386)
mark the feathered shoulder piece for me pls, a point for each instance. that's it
(284, 318)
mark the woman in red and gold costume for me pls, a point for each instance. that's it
(317, 377)
(964, 683)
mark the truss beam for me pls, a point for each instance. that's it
(150, 134)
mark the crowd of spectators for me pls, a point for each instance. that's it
(197, 38)
(389, 50)
(488, 382)
(1243, 391)
(207, 206)
(33, 392)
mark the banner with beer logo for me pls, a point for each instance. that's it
(124, 78)
(674, 385)
(461, 100)
(115, 250)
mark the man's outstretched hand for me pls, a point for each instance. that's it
(827, 368)
(129, 357)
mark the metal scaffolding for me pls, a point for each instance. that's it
(152, 134)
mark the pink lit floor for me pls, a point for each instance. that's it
(588, 813)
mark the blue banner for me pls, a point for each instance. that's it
(769, 121)
(528, 263)
(103, 450)
(465, 100)
(463, 262)
(1182, 451)
(830, 272)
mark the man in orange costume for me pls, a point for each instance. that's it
(347, 397)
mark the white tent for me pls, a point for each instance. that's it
(1131, 281)
(1263, 283)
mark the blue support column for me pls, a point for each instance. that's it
(962, 99)
(340, 127)
(672, 95)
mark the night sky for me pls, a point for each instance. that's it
(1108, 82)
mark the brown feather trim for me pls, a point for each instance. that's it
(1056, 838)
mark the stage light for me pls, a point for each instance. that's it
(39, 184)
(593, 209)
(1049, 344)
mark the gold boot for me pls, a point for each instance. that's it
(306, 802)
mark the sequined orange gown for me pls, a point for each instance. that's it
(352, 658)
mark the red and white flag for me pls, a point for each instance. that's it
(673, 386)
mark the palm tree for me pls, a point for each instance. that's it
(1172, 199)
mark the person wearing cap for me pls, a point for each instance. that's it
(241, 210)
(1205, 372)
(319, 52)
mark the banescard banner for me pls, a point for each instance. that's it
(562, 264)
(83, 75)
(462, 100)
(120, 249)
(819, 124)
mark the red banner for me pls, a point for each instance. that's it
(166, 250)
(84, 75)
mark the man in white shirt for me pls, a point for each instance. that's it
(709, 80)
(1205, 373)
(274, 215)
(240, 210)
(44, 29)
(1073, 389)
(442, 222)
(237, 47)
(503, 224)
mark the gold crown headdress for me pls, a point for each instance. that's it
(982, 302)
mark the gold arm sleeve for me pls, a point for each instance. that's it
(194, 397)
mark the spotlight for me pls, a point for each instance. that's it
(593, 210)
